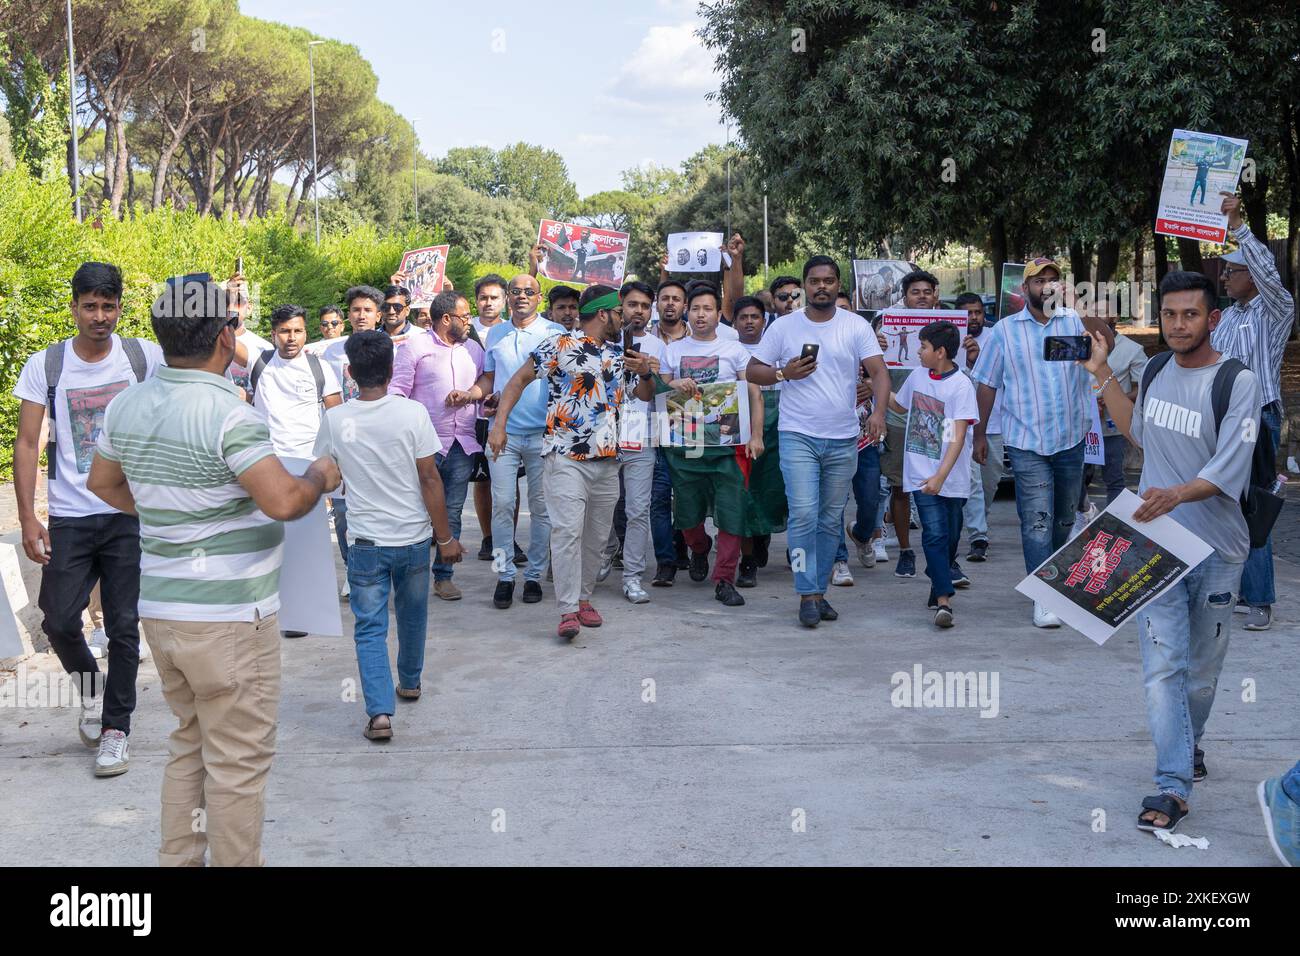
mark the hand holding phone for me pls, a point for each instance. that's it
(809, 351)
(1067, 348)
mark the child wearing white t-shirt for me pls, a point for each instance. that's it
(940, 406)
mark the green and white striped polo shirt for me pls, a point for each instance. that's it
(208, 553)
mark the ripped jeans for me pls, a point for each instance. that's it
(1184, 638)
(1047, 490)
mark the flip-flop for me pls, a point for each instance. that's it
(378, 733)
(1162, 803)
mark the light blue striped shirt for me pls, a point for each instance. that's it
(1046, 406)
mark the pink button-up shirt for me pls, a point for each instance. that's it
(425, 369)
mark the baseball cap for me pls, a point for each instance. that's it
(1035, 266)
(1235, 257)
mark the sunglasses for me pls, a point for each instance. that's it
(392, 307)
(332, 325)
(524, 292)
(787, 296)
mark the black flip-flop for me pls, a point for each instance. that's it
(1166, 804)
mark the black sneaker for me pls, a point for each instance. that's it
(504, 595)
(809, 614)
(825, 611)
(1199, 772)
(760, 549)
(748, 576)
(978, 551)
(520, 558)
(532, 592)
(933, 603)
(727, 594)
(485, 550)
(699, 565)
(664, 575)
(906, 564)
(943, 617)
(959, 579)
(683, 554)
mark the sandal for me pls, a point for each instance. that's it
(1166, 804)
(378, 733)
(408, 693)
(1199, 772)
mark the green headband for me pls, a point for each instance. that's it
(607, 301)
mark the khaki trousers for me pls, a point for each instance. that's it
(580, 499)
(222, 681)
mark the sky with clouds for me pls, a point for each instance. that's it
(606, 85)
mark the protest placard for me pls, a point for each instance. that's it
(715, 418)
(574, 253)
(424, 269)
(1115, 566)
(308, 560)
(1011, 299)
(1094, 449)
(695, 252)
(877, 283)
(1198, 168)
(900, 328)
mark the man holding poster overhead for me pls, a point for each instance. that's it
(1194, 469)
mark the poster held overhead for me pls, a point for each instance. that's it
(878, 283)
(1113, 568)
(424, 270)
(1199, 166)
(900, 327)
(574, 253)
(695, 252)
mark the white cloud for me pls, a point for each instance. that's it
(668, 60)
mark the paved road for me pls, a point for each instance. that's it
(755, 726)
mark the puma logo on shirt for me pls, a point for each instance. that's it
(1176, 418)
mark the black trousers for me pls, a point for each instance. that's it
(103, 548)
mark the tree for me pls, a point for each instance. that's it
(522, 172)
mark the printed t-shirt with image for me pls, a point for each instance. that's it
(933, 404)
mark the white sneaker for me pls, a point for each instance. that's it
(606, 566)
(890, 540)
(344, 590)
(878, 546)
(841, 577)
(1044, 617)
(88, 723)
(114, 756)
(1082, 519)
(633, 591)
(98, 643)
(1292, 465)
(866, 557)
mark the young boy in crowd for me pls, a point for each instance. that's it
(940, 406)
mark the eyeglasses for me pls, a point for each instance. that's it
(1229, 273)
(528, 293)
(392, 307)
(331, 325)
(787, 296)
(464, 318)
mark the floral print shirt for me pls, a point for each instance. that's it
(585, 383)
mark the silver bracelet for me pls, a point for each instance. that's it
(1102, 387)
(443, 544)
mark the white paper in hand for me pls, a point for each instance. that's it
(307, 580)
(695, 252)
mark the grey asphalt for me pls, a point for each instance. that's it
(764, 744)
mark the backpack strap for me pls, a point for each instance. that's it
(318, 374)
(1153, 367)
(135, 355)
(1221, 390)
(53, 372)
(256, 372)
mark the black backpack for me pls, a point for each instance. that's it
(1259, 506)
(316, 372)
(54, 371)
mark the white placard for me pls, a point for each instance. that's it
(1094, 449)
(307, 579)
(1115, 566)
(1198, 167)
(695, 252)
(11, 576)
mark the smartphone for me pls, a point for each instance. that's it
(810, 351)
(1067, 348)
(629, 340)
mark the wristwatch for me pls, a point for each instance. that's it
(780, 375)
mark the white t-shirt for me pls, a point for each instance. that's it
(376, 445)
(823, 405)
(654, 347)
(721, 360)
(82, 395)
(753, 347)
(286, 395)
(333, 353)
(932, 406)
(255, 345)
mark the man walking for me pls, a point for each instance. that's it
(195, 462)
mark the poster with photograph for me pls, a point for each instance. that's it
(424, 270)
(573, 253)
(307, 562)
(717, 417)
(1099, 579)
(877, 283)
(1198, 168)
(1011, 298)
(900, 328)
(1094, 449)
(695, 252)
(864, 413)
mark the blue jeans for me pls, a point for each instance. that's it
(372, 572)
(1047, 491)
(341, 526)
(1291, 782)
(525, 450)
(817, 473)
(1184, 638)
(455, 468)
(866, 499)
(1257, 588)
(661, 511)
(940, 532)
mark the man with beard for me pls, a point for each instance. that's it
(985, 477)
(490, 302)
(584, 376)
(1046, 413)
(562, 306)
(437, 370)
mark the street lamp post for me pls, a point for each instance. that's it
(415, 185)
(315, 171)
(72, 117)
